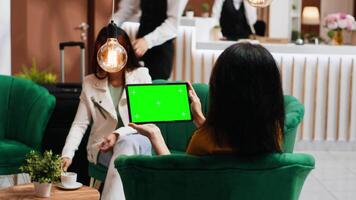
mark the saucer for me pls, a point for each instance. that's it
(72, 187)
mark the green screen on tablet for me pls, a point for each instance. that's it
(152, 103)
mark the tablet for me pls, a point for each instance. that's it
(154, 103)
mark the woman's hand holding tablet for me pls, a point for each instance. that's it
(195, 106)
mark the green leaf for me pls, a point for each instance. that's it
(38, 76)
(42, 168)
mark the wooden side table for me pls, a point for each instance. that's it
(27, 192)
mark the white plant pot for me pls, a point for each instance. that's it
(189, 14)
(205, 14)
(43, 189)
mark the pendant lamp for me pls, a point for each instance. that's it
(112, 56)
(259, 3)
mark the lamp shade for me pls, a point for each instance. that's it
(259, 3)
(311, 15)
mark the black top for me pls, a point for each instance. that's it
(154, 12)
(233, 22)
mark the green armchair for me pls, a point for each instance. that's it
(25, 109)
(177, 135)
(177, 177)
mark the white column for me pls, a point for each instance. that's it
(279, 19)
(5, 37)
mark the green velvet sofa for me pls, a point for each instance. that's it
(25, 109)
(180, 176)
(177, 135)
(185, 177)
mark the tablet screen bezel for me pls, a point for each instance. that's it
(157, 84)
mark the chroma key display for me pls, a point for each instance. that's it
(152, 103)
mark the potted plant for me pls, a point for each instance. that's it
(336, 23)
(189, 12)
(42, 77)
(205, 9)
(44, 169)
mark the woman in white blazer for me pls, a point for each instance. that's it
(103, 104)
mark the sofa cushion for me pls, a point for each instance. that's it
(12, 153)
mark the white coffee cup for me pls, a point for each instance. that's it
(68, 179)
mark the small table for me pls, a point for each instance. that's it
(27, 192)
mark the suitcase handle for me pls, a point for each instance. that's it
(62, 45)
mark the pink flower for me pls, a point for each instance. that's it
(342, 16)
(339, 21)
(332, 25)
(342, 23)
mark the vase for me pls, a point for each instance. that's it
(205, 14)
(189, 14)
(42, 189)
(338, 38)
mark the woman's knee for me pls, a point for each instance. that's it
(132, 144)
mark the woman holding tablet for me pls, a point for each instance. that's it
(245, 89)
(103, 104)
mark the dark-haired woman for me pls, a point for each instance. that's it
(246, 110)
(103, 104)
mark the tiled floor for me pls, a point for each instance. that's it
(334, 177)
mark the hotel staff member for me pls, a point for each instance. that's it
(158, 27)
(236, 18)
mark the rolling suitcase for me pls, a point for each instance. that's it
(67, 100)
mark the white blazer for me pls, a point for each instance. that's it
(96, 91)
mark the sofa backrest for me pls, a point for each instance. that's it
(24, 110)
(272, 176)
(5, 93)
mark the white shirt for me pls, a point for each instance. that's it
(250, 11)
(166, 31)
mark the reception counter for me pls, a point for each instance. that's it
(322, 77)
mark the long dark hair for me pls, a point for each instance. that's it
(124, 40)
(246, 108)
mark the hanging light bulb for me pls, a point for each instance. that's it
(112, 57)
(259, 3)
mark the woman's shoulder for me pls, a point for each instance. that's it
(91, 81)
(89, 78)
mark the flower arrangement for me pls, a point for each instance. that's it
(337, 22)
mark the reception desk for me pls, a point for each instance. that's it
(322, 77)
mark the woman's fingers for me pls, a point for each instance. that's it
(105, 145)
(134, 126)
(66, 162)
(190, 87)
(148, 130)
(139, 128)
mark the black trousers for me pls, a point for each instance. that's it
(159, 60)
